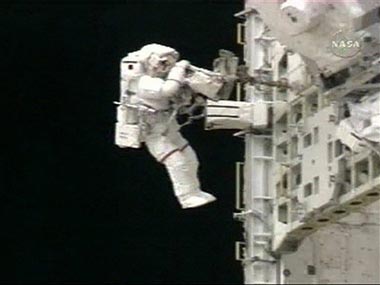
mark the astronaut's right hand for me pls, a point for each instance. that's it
(178, 72)
(183, 63)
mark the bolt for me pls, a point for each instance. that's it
(287, 272)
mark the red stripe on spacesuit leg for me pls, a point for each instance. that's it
(173, 151)
(185, 146)
(169, 154)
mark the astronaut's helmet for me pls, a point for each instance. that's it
(158, 59)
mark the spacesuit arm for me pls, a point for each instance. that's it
(175, 79)
(152, 87)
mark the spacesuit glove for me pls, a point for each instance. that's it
(178, 72)
(183, 63)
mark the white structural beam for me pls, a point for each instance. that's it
(260, 267)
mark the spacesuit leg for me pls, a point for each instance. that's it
(182, 166)
(181, 162)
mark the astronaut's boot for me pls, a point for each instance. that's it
(196, 200)
(182, 167)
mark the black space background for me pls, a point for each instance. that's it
(73, 206)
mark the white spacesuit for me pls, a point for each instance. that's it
(151, 78)
(363, 124)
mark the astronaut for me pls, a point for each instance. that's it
(362, 128)
(151, 79)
